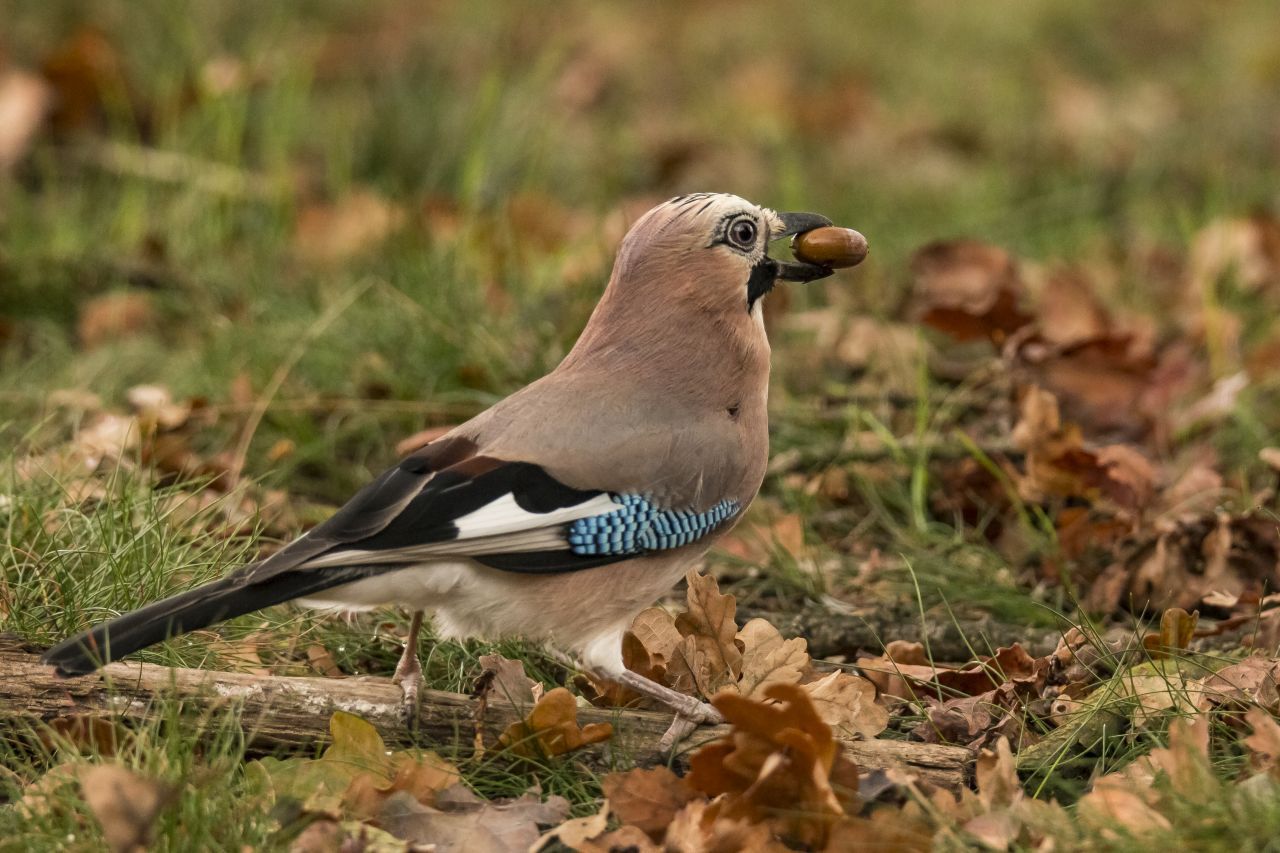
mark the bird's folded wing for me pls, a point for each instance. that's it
(447, 501)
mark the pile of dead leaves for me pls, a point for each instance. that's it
(1111, 439)
(779, 775)
(360, 793)
(703, 652)
(158, 437)
(778, 782)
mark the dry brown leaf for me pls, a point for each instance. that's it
(708, 658)
(106, 437)
(1252, 681)
(889, 829)
(506, 683)
(124, 804)
(85, 733)
(624, 839)
(1060, 465)
(967, 289)
(1246, 247)
(904, 672)
(764, 533)
(656, 631)
(780, 762)
(552, 728)
(647, 798)
(1264, 743)
(499, 827)
(701, 828)
(996, 774)
(422, 777)
(321, 661)
(1115, 802)
(1185, 761)
(848, 703)
(1177, 627)
(1189, 558)
(354, 224)
(113, 316)
(894, 672)
(1008, 663)
(1118, 385)
(1068, 311)
(42, 796)
(87, 76)
(575, 832)
(768, 659)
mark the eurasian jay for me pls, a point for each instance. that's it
(564, 510)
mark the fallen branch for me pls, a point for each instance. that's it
(278, 711)
(956, 639)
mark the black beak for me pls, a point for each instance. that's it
(798, 223)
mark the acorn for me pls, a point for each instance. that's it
(832, 247)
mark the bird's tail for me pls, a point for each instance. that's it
(232, 596)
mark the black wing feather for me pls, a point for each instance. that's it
(414, 503)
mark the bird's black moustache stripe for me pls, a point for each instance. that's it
(764, 276)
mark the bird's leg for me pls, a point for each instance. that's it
(690, 711)
(409, 670)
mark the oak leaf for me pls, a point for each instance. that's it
(1177, 627)
(1264, 743)
(769, 659)
(647, 798)
(505, 682)
(574, 833)
(780, 763)
(356, 775)
(124, 804)
(1252, 681)
(474, 826)
(708, 658)
(552, 728)
(848, 703)
(968, 290)
(701, 827)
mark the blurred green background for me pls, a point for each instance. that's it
(330, 225)
(495, 152)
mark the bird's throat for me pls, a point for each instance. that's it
(764, 276)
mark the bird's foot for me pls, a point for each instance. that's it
(686, 720)
(689, 715)
(409, 676)
(691, 711)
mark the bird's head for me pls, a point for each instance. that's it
(715, 246)
(689, 281)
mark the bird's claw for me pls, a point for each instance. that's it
(409, 678)
(688, 717)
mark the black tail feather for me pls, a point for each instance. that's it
(192, 610)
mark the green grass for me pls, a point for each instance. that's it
(910, 121)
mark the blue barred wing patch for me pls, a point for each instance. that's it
(640, 526)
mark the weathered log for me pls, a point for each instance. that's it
(954, 640)
(279, 711)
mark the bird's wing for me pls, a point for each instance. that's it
(449, 500)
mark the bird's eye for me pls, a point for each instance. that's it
(742, 233)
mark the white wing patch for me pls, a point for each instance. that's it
(504, 515)
(498, 527)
